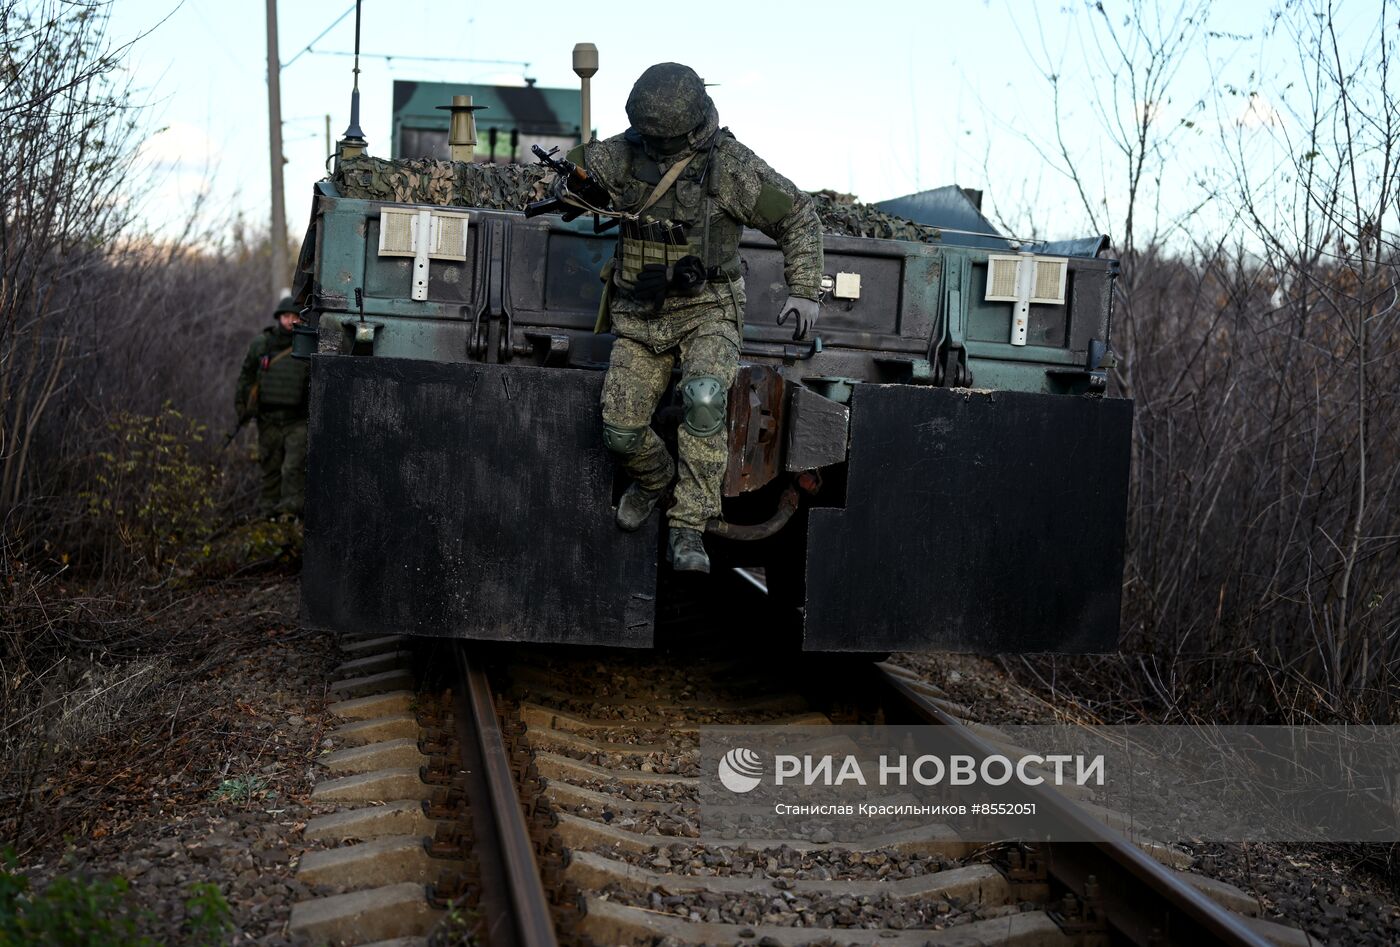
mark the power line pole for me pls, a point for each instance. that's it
(280, 272)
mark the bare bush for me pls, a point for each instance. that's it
(65, 117)
(109, 425)
(1247, 496)
(98, 319)
(1264, 536)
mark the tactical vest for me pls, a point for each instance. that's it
(282, 382)
(686, 220)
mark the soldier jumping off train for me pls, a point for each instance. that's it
(675, 287)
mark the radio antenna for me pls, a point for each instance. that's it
(352, 143)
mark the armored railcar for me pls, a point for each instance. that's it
(942, 468)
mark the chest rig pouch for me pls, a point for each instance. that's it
(678, 222)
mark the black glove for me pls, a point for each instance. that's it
(688, 276)
(805, 311)
(650, 285)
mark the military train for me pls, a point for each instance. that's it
(941, 467)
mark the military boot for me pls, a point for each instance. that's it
(636, 505)
(688, 551)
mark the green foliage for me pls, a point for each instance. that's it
(257, 541)
(240, 789)
(69, 912)
(207, 915)
(150, 496)
(74, 911)
(459, 928)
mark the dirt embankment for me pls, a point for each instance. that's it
(185, 760)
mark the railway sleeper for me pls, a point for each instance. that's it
(977, 883)
(371, 644)
(552, 766)
(537, 736)
(609, 923)
(401, 858)
(385, 754)
(400, 817)
(568, 794)
(370, 684)
(656, 709)
(363, 917)
(535, 714)
(375, 729)
(374, 663)
(374, 706)
(580, 833)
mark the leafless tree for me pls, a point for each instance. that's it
(97, 314)
(1324, 218)
(66, 130)
(1261, 350)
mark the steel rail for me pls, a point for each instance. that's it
(1142, 899)
(513, 895)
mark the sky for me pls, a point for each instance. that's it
(876, 99)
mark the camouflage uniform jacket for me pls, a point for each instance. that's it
(282, 381)
(738, 188)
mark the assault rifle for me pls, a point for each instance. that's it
(242, 420)
(574, 180)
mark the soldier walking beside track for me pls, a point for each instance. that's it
(273, 389)
(675, 287)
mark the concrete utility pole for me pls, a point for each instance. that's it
(280, 272)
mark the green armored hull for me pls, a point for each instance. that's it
(941, 469)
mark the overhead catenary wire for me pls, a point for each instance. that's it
(389, 57)
(321, 35)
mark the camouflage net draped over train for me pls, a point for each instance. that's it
(845, 216)
(446, 183)
(512, 186)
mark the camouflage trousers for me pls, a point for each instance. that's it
(707, 341)
(282, 457)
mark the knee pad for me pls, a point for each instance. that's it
(623, 440)
(705, 400)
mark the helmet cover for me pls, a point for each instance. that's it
(668, 101)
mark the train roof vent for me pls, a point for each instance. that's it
(1001, 278)
(400, 230)
(1049, 280)
(449, 236)
(396, 232)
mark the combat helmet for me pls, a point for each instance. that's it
(286, 304)
(668, 103)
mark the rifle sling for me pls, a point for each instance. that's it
(666, 181)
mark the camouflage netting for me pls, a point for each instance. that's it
(512, 186)
(843, 215)
(447, 183)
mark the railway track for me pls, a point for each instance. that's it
(554, 801)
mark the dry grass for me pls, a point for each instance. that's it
(100, 694)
